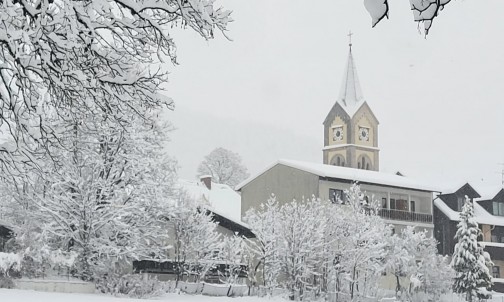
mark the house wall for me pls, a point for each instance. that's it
(423, 200)
(284, 182)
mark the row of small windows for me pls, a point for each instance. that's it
(363, 163)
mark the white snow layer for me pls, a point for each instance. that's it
(480, 214)
(352, 174)
(26, 295)
(222, 199)
(377, 9)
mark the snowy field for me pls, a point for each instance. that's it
(16, 295)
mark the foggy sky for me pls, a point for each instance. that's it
(439, 100)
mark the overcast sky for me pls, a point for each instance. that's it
(440, 100)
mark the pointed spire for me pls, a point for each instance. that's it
(350, 93)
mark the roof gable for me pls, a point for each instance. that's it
(362, 110)
(335, 111)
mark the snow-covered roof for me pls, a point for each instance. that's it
(485, 190)
(7, 225)
(493, 244)
(350, 98)
(488, 192)
(351, 174)
(222, 199)
(480, 214)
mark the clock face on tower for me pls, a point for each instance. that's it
(363, 134)
(338, 134)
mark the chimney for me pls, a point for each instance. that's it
(207, 180)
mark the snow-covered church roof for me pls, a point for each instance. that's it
(350, 98)
(364, 176)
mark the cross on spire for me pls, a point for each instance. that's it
(350, 34)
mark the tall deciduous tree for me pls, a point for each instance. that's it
(105, 198)
(224, 166)
(66, 55)
(471, 263)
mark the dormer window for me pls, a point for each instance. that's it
(498, 208)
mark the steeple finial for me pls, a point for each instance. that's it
(350, 34)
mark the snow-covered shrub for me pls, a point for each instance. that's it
(9, 263)
(6, 282)
(131, 285)
(311, 247)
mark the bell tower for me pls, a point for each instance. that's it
(351, 128)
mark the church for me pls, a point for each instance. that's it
(350, 154)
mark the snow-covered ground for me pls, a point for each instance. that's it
(16, 295)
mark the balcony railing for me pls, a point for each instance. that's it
(405, 216)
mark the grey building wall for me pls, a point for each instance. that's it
(285, 182)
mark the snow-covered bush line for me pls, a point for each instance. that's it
(131, 285)
(316, 249)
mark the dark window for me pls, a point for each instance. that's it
(392, 203)
(358, 165)
(496, 272)
(494, 238)
(412, 206)
(336, 196)
(367, 166)
(384, 202)
(401, 205)
(460, 203)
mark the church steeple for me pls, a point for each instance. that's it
(351, 128)
(350, 93)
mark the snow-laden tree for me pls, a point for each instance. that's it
(424, 11)
(66, 55)
(224, 166)
(196, 242)
(265, 224)
(412, 257)
(232, 256)
(105, 198)
(301, 244)
(470, 262)
(313, 246)
(362, 245)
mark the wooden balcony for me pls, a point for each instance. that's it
(405, 216)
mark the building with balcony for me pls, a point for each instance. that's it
(404, 201)
(350, 153)
(488, 213)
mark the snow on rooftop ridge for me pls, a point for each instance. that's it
(350, 98)
(480, 214)
(222, 199)
(347, 173)
(485, 190)
(488, 192)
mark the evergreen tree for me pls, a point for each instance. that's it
(472, 275)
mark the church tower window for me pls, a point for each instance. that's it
(338, 160)
(364, 163)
